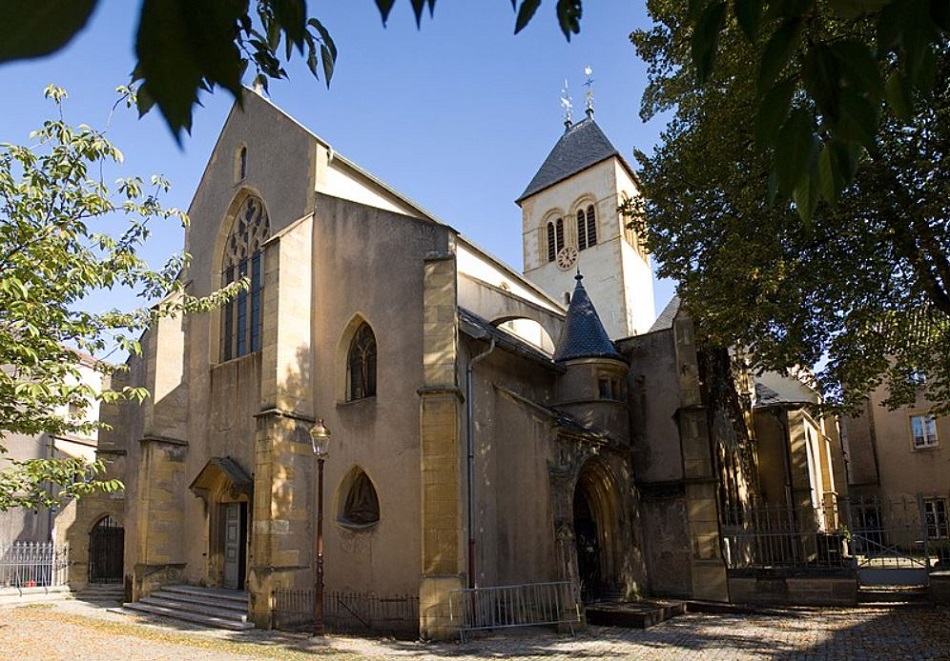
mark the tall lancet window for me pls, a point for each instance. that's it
(586, 228)
(244, 258)
(361, 364)
(555, 237)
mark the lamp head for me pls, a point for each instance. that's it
(320, 439)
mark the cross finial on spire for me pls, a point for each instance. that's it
(568, 107)
(589, 84)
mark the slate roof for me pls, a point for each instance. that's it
(583, 335)
(482, 329)
(581, 146)
(665, 320)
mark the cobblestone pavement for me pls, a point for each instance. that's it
(77, 630)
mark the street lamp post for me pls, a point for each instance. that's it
(320, 441)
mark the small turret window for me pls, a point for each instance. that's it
(586, 228)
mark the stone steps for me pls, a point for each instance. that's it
(893, 595)
(211, 607)
(633, 614)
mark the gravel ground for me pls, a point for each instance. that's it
(70, 629)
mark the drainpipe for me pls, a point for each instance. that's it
(470, 442)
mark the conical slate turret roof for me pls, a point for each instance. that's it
(582, 145)
(583, 335)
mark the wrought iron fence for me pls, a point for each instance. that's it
(855, 533)
(530, 604)
(348, 612)
(33, 564)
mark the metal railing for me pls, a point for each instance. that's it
(870, 532)
(347, 612)
(529, 604)
(33, 565)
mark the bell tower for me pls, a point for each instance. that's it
(571, 220)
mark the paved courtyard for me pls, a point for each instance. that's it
(77, 630)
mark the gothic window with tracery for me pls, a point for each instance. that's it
(244, 258)
(586, 228)
(555, 237)
(361, 364)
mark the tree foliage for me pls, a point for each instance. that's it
(862, 287)
(823, 72)
(185, 46)
(56, 247)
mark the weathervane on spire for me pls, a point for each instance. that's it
(589, 84)
(568, 107)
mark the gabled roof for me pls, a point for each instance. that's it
(583, 335)
(481, 329)
(582, 145)
(665, 320)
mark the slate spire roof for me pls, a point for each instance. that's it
(582, 145)
(583, 335)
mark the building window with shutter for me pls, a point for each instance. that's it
(555, 237)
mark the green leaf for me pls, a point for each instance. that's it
(773, 111)
(33, 28)
(806, 196)
(749, 17)
(569, 17)
(856, 8)
(822, 80)
(796, 148)
(324, 36)
(857, 122)
(291, 17)
(836, 167)
(898, 96)
(385, 6)
(526, 13)
(328, 63)
(777, 52)
(418, 6)
(182, 44)
(705, 41)
(859, 68)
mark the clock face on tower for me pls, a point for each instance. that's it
(566, 257)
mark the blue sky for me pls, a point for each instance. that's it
(458, 115)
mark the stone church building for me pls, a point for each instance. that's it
(489, 427)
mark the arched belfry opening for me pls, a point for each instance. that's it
(226, 488)
(596, 511)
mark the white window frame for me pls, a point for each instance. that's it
(928, 428)
(936, 518)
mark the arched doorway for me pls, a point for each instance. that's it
(106, 549)
(596, 511)
(226, 489)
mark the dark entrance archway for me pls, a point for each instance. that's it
(106, 548)
(597, 512)
(588, 548)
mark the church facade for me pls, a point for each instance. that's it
(488, 428)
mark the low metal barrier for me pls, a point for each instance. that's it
(348, 612)
(529, 604)
(33, 565)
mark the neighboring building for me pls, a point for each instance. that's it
(485, 431)
(45, 525)
(898, 466)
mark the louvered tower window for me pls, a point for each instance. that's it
(586, 228)
(555, 237)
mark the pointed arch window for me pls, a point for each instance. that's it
(361, 506)
(244, 258)
(361, 364)
(586, 228)
(555, 237)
